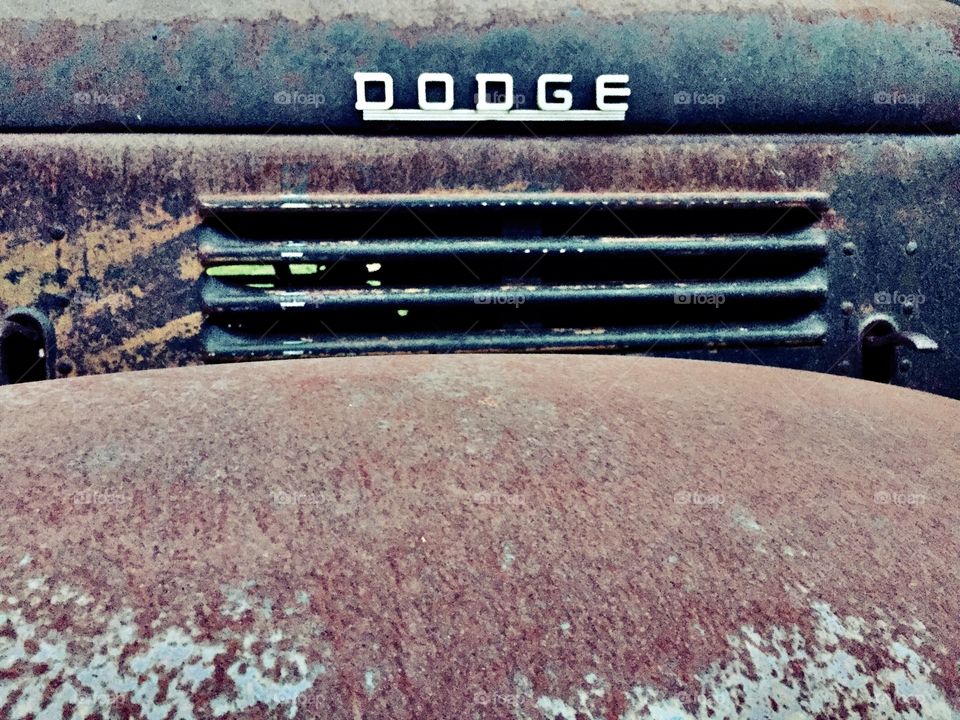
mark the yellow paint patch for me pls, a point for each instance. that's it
(33, 260)
(112, 302)
(190, 267)
(108, 245)
(91, 252)
(111, 360)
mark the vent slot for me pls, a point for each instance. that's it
(319, 276)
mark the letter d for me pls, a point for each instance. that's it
(362, 78)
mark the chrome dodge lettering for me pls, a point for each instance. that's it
(554, 99)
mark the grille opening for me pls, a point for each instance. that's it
(518, 272)
(518, 312)
(530, 266)
(496, 220)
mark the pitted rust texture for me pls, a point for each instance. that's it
(421, 12)
(96, 229)
(435, 537)
(805, 65)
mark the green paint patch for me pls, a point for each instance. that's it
(303, 269)
(241, 270)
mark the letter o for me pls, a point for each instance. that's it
(424, 80)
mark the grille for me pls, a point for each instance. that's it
(303, 276)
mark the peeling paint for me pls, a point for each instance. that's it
(72, 675)
(784, 675)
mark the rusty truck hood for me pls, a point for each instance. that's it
(463, 536)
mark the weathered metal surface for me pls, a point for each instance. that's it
(478, 537)
(420, 13)
(99, 231)
(798, 64)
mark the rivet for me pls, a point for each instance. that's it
(911, 247)
(849, 248)
(58, 232)
(846, 307)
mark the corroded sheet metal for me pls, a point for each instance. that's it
(478, 537)
(422, 13)
(798, 64)
(99, 231)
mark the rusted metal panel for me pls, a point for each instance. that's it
(478, 537)
(100, 231)
(798, 64)
(422, 13)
